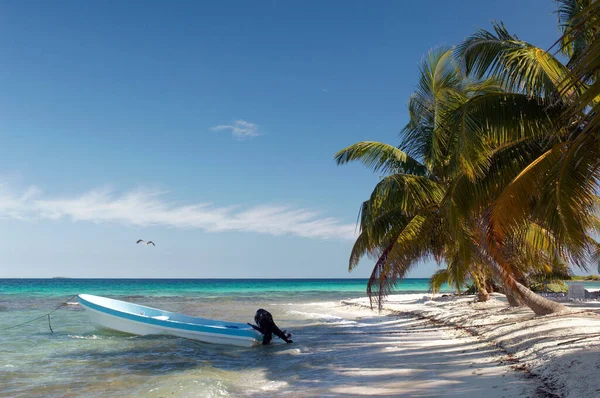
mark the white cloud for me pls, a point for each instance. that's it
(144, 208)
(240, 129)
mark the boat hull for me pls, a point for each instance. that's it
(140, 320)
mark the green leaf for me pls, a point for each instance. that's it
(380, 157)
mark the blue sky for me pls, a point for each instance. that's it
(209, 128)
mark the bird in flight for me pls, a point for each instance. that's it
(146, 243)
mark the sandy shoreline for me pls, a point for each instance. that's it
(540, 351)
(399, 355)
(417, 347)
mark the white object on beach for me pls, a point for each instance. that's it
(146, 243)
(576, 291)
(106, 313)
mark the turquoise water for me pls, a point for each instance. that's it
(77, 360)
(80, 361)
(191, 287)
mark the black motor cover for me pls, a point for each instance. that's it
(267, 327)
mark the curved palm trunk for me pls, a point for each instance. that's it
(537, 303)
(514, 300)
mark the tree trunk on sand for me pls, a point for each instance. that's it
(537, 303)
(482, 293)
(514, 300)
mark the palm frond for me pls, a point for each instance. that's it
(520, 66)
(513, 205)
(492, 120)
(380, 157)
(576, 29)
(581, 38)
(568, 201)
(376, 234)
(465, 196)
(438, 279)
(405, 192)
(416, 241)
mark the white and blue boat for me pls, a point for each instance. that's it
(122, 316)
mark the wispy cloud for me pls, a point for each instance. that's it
(240, 129)
(144, 208)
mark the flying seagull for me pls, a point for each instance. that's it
(146, 243)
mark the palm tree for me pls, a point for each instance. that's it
(470, 141)
(549, 106)
(400, 222)
(580, 21)
(411, 214)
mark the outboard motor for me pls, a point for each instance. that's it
(267, 327)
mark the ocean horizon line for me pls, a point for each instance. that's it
(187, 278)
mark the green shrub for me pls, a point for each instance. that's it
(554, 287)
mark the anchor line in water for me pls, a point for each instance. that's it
(47, 315)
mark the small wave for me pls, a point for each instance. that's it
(293, 351)
(316, 315)
(322, 317)
(315, 304)
(71, 303)
(346, 323)
(116, 336)
(92, 337)
(321, 303)
(274, 386)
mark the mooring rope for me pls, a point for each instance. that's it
(47, 315)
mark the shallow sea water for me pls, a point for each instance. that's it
(78, 360)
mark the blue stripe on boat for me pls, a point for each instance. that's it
(229, 330)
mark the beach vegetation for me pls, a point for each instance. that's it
(411, 213)
(556, 187)
(497, 169)
(553, 287)
(594, 278)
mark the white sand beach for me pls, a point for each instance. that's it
(389, 355)
(451, 346)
